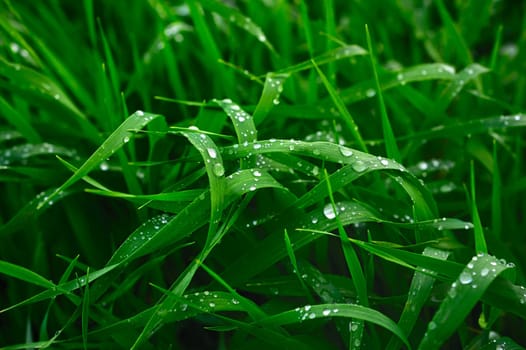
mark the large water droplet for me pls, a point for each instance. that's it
(465, 278)
(328, 211)
(211, 152)
(359, 166)
(218, 169)
(484, 272)
(346, 152)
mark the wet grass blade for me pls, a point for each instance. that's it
(311, 312)
(418, 294)
(464, 293)
(116, 140)
(24, 274)
(269, 96)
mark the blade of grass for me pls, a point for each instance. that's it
(464, 293)
(346, 116)
(311, 312)
(116, 140)
(480, 240)
(391, 147)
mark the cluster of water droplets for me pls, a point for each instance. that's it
(276, 84)
(143, 234)
(21, 153)
(307, 313)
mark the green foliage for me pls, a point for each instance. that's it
(306, 175)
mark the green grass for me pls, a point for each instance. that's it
(262, 175)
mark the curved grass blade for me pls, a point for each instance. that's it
(242, 121)
(116, 140)
(215, 170)
(24, 274)
(20, 153)
(478, 232)
(311, 312)
(327, 57)
(421, 72)
(235, 16)
(468, 74)
(464, 293)
(269, 96)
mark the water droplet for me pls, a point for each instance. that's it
(212, 152)
(252, 188)
(328, 211)
(370, 92)
(432, 325)
(326, 312)
(307, 307)
(126, 139)
(359, 166)
(235, 301)
(104, 166)
(314, 220)
(212, 305)
(218, 169)
(256, 173)
(465, 278)
(312, 315)
(346, 152)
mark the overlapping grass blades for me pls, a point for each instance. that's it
(259, 217)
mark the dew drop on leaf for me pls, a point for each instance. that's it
(328, 211)
(218, 169)
(346, 152)
(465, 278)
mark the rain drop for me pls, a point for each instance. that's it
(359, 166)
(326, 312)
(465, 278)
(218, 169)
(328, 211)
(346, 152)
(212, 152)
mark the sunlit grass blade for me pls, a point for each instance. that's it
(340, 106)
(116, 140)
(464, 293)
(392, 150)
(311, 312)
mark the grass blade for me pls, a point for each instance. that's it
(391, 147)
(464, 293)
